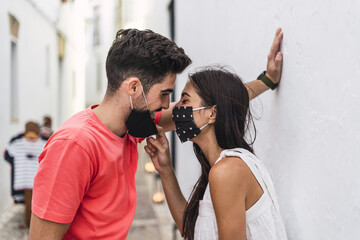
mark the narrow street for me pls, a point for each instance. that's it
(152, 220)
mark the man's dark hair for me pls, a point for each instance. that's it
(145, 55)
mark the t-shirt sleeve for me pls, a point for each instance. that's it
(10, 149)
(156, 121)
(62, 180)
(8, 157)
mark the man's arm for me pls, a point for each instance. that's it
(62, 179)
(41, 229)
(255, 88)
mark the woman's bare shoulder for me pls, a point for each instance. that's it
(231, 172)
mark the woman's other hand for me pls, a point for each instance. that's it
(158, 150)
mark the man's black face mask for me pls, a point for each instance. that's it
(139, 123)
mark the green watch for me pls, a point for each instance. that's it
(267, 81)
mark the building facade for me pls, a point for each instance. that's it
(102, 22)
(42, 62)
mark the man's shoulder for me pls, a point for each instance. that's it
(81, 129)
(78, 124)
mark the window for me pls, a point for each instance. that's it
(74, 90)
(96, 26)
(98, 76)
(47, 65)
(14, 99)
(61, 46)
(61, 57)
(14, 85)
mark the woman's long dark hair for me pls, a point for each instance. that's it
(217, 86)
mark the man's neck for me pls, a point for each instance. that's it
(113, 116)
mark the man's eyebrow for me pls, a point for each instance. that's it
(169, 90)
(185, 93)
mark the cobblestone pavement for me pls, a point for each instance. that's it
(12, 224)
(145, 222)
(152, 221)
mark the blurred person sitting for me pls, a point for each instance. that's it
(22, 153)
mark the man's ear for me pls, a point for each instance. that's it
(133, 86)
(212, 117)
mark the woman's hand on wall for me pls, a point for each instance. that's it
(275, 58)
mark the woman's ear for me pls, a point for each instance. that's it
(212, 117)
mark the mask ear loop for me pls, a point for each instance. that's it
(204, 126)
(142, 90)
(200, 108)
(132, 107)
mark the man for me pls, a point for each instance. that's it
(85, 185)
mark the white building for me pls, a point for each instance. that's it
(42, 67)
(103, 21)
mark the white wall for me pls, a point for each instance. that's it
(4, 98)
(309, 128)
(71, 23)
(147, 14)
(108, 14)
(141, 14)
(38, 68)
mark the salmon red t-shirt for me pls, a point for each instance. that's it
(86, 177)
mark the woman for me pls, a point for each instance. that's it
(234, 197)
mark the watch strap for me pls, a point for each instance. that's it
(267, 81)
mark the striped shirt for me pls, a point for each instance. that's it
(25, 155)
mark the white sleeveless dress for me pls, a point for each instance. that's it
(263, 220)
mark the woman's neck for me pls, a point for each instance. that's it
(209, 146)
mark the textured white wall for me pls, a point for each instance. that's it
(308, 133)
